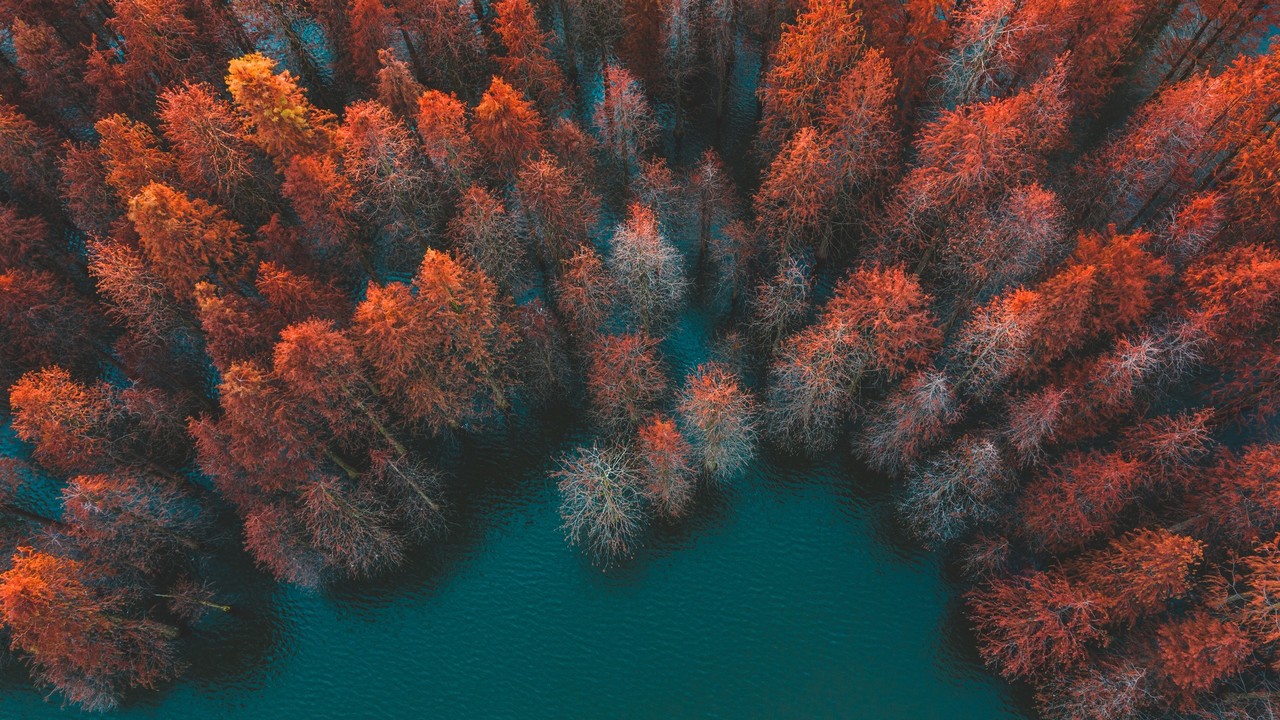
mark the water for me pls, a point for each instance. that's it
(786, 596)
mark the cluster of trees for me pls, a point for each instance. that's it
(262, 262)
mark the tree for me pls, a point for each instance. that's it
(623, 118)
(544, 369)
(973, 155)
(1103, 692)
(442, 125)
(665, 464)
(74, 427)
(1180, 140)
(719, 417)
(950, 492)
(381, 160)
(1034, 421)
(990, 251)
(601, 500)
(129, 522)
(25, 241)
(909, 421)
(878, 322)
(507, 127)
(586, 295)
(132, 156)
(280, 119)
(486, 232)
(87, 199)
(292, 297)
(1170, 447)
(557, 209)
(781, 303)
(321, 368)
(398, 88)
(211, 153)
(234, 327)
(527, 62)
(1078, 499)
(1235, 292)
(439, 351)
(48, 66)
(625, 380)
(27, 160)
(794, 205)
(79, 634)
(1239, 498)
(1036, 625)
(657, 188)
(1192, 227)
(160, 42)
(648, 270)
(324, 201)
(185, 239)
(714, 200)
(44, 321)
(1109, 283)
(592, 26)
(372, 28)
(1137, 574)
(678, 40)
(1000, 46)
(444, 38)
(1197, 652)
(808, 63)
(858, 121)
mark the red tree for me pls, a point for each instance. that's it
(878, 322)
(442, 125)
(910, 421)
(81, 638)
(794, 205)
(558, 211)
(586, 294)
(527, 62)
(211, 153)
(811, 58)
(440, 351)
(1199, 651)
(625, 380)
(1078, 499)
(185, 239)
(1138, 573)
(507, 127)
(1036, 624)
(487, 233)
(718, 415)
(623, 117)
(664, 461)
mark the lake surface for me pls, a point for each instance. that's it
(786, 596)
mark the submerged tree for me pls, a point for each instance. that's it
(719, 416)
(80, 634)
(602, 500)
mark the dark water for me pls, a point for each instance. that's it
(783, 597)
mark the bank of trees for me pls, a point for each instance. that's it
(263, 264)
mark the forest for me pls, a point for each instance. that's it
(265, 264)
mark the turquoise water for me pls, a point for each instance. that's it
(786, 596)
